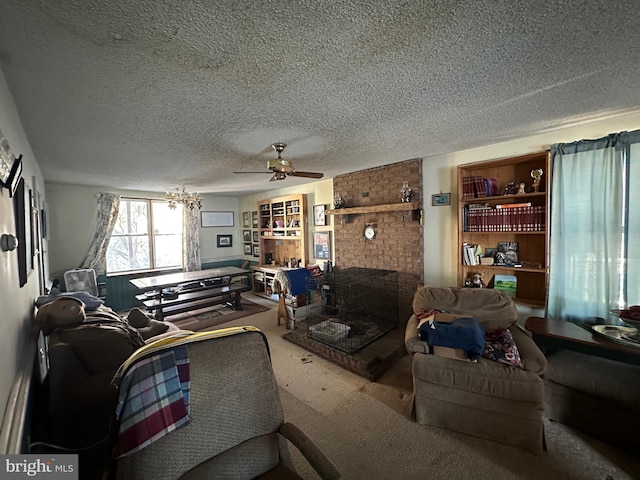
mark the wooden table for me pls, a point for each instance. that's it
(552, 334)
(206, 288)
(173, 279)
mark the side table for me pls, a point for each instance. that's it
(550, 334)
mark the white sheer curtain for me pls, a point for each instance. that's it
(108, 206)
(592, 227)
(191, 240)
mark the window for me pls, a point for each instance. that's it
(147, 236)
(595, 227)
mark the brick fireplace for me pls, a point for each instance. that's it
(396, 247)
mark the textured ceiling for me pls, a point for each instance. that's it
(149, 95)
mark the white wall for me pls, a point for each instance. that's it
(16, 327)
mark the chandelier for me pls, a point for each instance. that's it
(189, 199)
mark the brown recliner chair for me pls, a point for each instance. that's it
(486, 398)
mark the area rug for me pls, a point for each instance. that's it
(205, 319)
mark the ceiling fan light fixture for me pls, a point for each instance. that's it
(283, 168)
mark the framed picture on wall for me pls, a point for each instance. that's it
(224, 240)
(246, 222)
(440, 199)
(246, 235)
(256, 250)
(247, 249)
(255, 236)
(216, 219)
(319, 217)
(321, 245)
(254, 219)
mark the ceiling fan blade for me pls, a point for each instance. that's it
(298, 173)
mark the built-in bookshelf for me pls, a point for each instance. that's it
(503, 206)
(282, 229)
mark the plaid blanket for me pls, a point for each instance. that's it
(153, 400)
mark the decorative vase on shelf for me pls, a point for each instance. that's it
(338, 201)
(406, 192)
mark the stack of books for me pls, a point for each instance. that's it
(477, 186)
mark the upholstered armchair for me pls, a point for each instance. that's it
(484, 398)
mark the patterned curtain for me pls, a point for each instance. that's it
(190, 240)
(108, 206)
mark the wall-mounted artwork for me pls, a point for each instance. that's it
(256, 250)
(216, 219)
(440, 199)
(254, 219)
(224, 240)
(247, 249)
(21, 214)
(319, 217)
(321, 245)
(10, 166)
(246, 221)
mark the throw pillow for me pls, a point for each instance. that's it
(500, 347)
(153, 329)
(137, 318)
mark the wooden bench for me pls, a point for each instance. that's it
(193, 299)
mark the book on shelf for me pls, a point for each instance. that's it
(470, 253)
(506, 283)
(480, 218)
(491, 187)
(477, 186)
(513, 205)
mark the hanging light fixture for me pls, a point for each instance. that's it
(189, 199)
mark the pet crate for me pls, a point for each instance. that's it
(359, 306)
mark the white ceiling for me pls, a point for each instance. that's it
(150, 95)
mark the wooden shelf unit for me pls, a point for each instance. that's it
(532, 244)
(283, 228)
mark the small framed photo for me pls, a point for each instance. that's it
(255, 236)
(440, 199)
(254, 219)
(246, 221)
(246, 235)
(247, 249)
(319, 217)
(224, 240)
(256, 250)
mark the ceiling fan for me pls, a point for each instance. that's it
(282, 168)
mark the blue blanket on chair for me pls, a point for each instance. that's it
(298, 280)
(463, 333)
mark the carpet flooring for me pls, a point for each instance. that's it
(365, 426)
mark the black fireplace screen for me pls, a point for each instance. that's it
(358, 306)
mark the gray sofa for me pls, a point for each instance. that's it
(77, 398)
(486, 399)
(597, 396)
